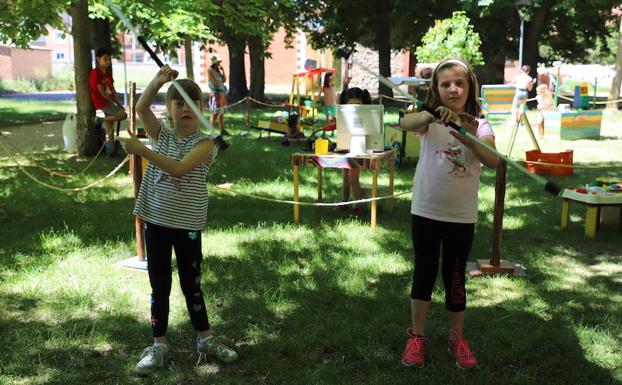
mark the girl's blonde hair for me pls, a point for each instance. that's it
(472, 106)
(192, 89)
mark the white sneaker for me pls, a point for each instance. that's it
(215, 347)
(152, 358)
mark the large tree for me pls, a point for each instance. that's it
(381, 25)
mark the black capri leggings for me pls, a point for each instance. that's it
(187, 243)
(428, 236)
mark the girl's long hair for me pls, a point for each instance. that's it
(472, 106)
(327, 77)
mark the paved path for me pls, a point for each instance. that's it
(51, 96)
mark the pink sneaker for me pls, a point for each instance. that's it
(461, 351)
(414, 353)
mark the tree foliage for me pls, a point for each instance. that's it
(22, 21)
(453, 37)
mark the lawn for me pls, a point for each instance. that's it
(321, 302)
(14, 112)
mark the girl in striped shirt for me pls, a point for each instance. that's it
(173, 205)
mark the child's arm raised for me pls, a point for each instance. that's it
(143, 105)
(201, 153)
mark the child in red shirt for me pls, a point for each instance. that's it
(104, 96)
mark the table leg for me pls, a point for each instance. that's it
(296, 207)
(374, 193)
(591, 217)
(319, 184)
(565, 213)
(391, 185)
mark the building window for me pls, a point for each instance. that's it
(59, 56)
(40, 42)
(59, 37)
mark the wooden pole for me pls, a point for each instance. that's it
(497, 224)
(137, 175)
(495, 265)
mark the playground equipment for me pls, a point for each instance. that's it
(311, 82)
(497, 98)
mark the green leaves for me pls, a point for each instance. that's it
(454, 37)
(24, 20)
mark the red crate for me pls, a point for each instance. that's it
(561, 158)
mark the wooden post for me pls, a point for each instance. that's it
(374, 194)
(495, 265)
(319, 183)
(391, 177)
(296, 207)
(497, 224)
(137, 175)
(530, 131)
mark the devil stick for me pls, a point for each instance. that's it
(549, 186)
(218, 140)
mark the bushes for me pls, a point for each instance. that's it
(62, 81)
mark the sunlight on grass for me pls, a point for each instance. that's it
(492, 291)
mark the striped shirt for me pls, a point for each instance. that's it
(178, 203)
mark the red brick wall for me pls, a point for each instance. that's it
(6, 72)
(31, 64)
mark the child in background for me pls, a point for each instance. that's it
(351, 176)
(218, 93)
(173, 204)
(330, 98)
(444, 205)
(104, 96)
(545, 103)
(523, 83)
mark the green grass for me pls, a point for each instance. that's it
(14, 112)
(322, 302)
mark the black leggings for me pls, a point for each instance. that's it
(160, 241)
(456, 239)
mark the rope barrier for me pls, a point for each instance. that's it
(603, 102)
(265, 104)
(35, 179)
(49, 171)
(226, 187)
(406, 101)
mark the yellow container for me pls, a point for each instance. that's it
(321, 146)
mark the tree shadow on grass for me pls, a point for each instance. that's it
(304, 321)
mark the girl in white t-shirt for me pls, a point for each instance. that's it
(444, 205)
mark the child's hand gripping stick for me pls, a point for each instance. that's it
(222, 145)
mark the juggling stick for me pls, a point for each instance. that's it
(218, 140)
(549, 186)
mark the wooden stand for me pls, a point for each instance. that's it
(496, 265)
(136, 170)
(522, 119)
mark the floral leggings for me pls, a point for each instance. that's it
(187, 244)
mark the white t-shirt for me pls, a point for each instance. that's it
(447, 176)
(177, 203)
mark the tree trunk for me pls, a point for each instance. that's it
(188, 55)
(100, 34)
(533, 30)
(258, 73)
(383, 42)
(614, 91)
(237, 68)
(87, 137)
